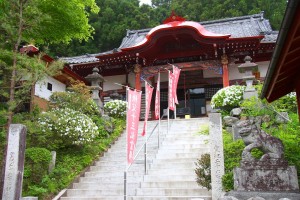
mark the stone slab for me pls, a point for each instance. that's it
(216, 154)
(266, 179)
(13, 176)
(245, 195)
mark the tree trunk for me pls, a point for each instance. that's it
(12, 91)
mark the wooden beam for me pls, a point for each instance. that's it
(284, 52)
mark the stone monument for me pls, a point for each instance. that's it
(247, 68)
(269, 177)
(14, 167)
(216, 154)
(96, 79)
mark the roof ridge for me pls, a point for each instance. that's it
(259, 15)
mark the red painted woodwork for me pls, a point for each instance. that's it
(138, 81)
(225, 76)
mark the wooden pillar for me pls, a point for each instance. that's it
(298, 99)
(224, 61)
(137, 71)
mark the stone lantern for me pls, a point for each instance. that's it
(248, 68)
(96, 79)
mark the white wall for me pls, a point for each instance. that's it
(235, 74)
(42, 91)
(109, 83)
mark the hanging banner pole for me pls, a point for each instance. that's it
(158, 88)
(126, 137)
(168, 105)
(146, 106)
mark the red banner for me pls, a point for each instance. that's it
(176, 72)
(171, 91)
(133, 116)
(157, 98)
(148, 92)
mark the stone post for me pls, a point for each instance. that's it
(52, 162)
(216, 154)
(14, 168)
(95, 78)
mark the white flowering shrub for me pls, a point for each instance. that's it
(228, 97)
(116, 108)
(71, 126)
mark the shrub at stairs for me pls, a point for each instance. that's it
(203, 172)
(116, 109)
(36, 167)
(232, 157)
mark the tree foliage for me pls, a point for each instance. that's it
(117, 16)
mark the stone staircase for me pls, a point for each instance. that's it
(170, 169)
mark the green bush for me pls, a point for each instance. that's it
(116, 108)
(203, 171)
(36, 164)
(228, 98)
(74, 101)
(70, 161)
(232, 158)
(289, 134)
(287, 103)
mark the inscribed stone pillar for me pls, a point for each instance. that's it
(224, 60)
(52, 162)
(137, 71)
(216, 154)
(14, 167)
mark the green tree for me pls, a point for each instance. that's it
(40, 22)
(110, 26)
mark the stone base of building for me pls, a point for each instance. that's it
(264, 176)
(245, 195)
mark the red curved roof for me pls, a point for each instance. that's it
(169, 27)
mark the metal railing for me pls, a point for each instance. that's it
(144, 146)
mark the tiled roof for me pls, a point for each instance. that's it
(237, 27)
(87, 58)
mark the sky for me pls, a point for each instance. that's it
(145, 2)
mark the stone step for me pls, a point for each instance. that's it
(139, 172)
(170, 184)
(172, 192)
(94, 198)
(183, 150)
(171, 171)
(174, 165)
(166, 155)
(182, 160)
(94, 193)
(169, 177)
(170, 197)
(111, 185)
(112, 167)
(184, 146)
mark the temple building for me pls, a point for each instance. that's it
(207, 53)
